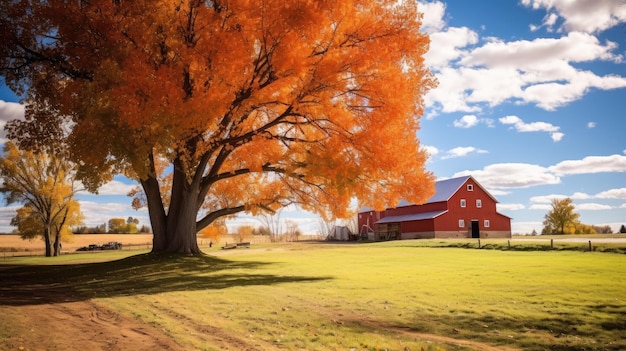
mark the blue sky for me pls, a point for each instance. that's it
(531, 102)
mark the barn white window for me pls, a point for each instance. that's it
(487, 223)
(470, 187)
(479, 203)
(461, 223)
(463, 203)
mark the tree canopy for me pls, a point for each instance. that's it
(561, 219)
(237, 105)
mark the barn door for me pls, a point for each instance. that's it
(475, 230)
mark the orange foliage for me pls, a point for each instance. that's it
(253, 105)
(214, 230)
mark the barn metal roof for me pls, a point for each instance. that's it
(411, 217)
(444, 189)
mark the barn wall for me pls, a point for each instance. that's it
(367, 219)
(452, 234)
(427, 225)
(448, 223)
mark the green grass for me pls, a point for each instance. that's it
(384, 296)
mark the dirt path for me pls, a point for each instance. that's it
(49, 317)
(84, 325)
(76, 325)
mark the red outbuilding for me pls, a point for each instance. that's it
(460, 208)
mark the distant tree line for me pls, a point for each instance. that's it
(291, 232)
(116, 226)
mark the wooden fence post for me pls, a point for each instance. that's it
(551, 244)
(590, 246)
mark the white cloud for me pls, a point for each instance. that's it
(115, 187)
(557, 136)
(591, 125)
(433, 16)
(591, 164)
(524, 127)
(612, 194)
(510, 207)
(512, 175)
(473, 73)
(108, 207)
(521, 126)
(584, 15)
(546, 199)
(524, 175)
(622, 206)
(551, 95)
(498, 192)
(580, 196)
(466, 121)
(463, 151)
(592, 207)
(469, 121)
(540, 207)
(8, 112)
(548, 55)
(448, 46)
(431, 150)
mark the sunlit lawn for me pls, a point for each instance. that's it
(369, 296)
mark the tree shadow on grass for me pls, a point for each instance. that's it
(142, 274)
(483, 331)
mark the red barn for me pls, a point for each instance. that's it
(460, 208)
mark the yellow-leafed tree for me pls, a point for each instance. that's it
(44, 184)
(251, 105)
(561, 219)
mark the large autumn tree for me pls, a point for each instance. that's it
(242, 105)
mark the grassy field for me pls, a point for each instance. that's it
(384, 296)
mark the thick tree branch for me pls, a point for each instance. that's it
(209, 218)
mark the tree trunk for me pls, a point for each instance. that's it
(156, 210)
(183, 235)
(57, 244)
(47, 240)
(174, 232)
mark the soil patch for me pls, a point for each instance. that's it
(36, 316)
